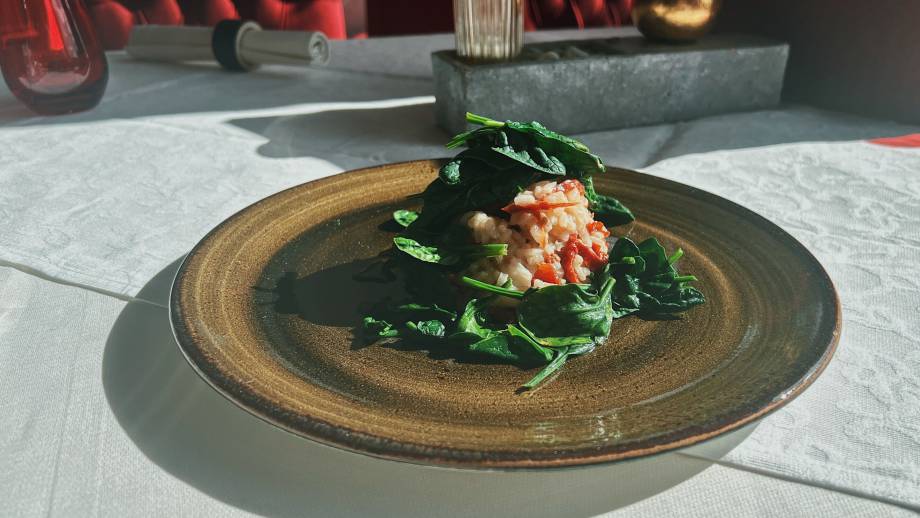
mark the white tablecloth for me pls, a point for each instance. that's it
(100, 416)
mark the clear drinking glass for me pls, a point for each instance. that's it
(488, 30)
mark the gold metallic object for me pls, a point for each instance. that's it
(674, 20)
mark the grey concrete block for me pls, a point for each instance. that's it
(582, 86)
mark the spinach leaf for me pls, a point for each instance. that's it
(647, 281)
(379, 328)
(497, 290)
(489, 127)
(405, 217)
(529, 339)
(421, 329)
(433, 328)
(559, 149)
(479, 187)
(470, 320)
(529, 144)
(448, 256)
(561, 356)
(496, 344)
(472, 334)
(414, 310)
(607, 209)
(559, 360)
(575, 155)
(471, 252)
(450, 172)
(566, 314)
(413, 248)
(519, 149)
(509, 152)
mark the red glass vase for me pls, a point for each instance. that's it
(50, 56)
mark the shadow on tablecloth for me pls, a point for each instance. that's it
(143, 89)
(196, 435)
(374, 135)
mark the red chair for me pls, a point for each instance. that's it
(395, 17)
(114, 18)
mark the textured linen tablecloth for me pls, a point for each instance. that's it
(101, 416)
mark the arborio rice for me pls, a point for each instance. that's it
(551, 235)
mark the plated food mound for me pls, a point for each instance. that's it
(511, 257)
(551, 234)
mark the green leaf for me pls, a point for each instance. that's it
(624, 247)
(475, 337)
(472, 135)
(527, 338)
(501, 156)
(561, 356)
(413, 248)
(450, 172)
(469, 321)
(566, 341)
(526, 153)
(432, 328)
(656, 260)
(495, 344)
(574, 154)
(491, 288)
(558, 313)
(676, 256)
(481, 186)
(405, 217)
(414, 310)
(483, 121)
(480, 251)
(647, 281)
(380, 328)
(606, 208)
(448, 256)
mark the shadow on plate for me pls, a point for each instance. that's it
(342, 295)
(196, 435)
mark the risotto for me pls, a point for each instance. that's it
(552, 238)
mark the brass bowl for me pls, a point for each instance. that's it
(674, 20)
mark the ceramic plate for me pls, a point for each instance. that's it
(265, 305)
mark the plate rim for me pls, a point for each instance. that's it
(359, 442)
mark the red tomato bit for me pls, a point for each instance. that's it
(546, 273)
(568, 185)
(597, 226)
(568, 253)
(594, 257)
(539, 206)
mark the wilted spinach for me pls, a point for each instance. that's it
(502, 159)
(553, 323)
(447, 255)
(405, 217)
(648, 283)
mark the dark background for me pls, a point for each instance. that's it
(855, 56)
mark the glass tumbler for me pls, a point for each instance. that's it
(50, 56)
(488, 30)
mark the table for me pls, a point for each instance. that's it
(101, 416)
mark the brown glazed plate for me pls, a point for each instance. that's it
(265, 306)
